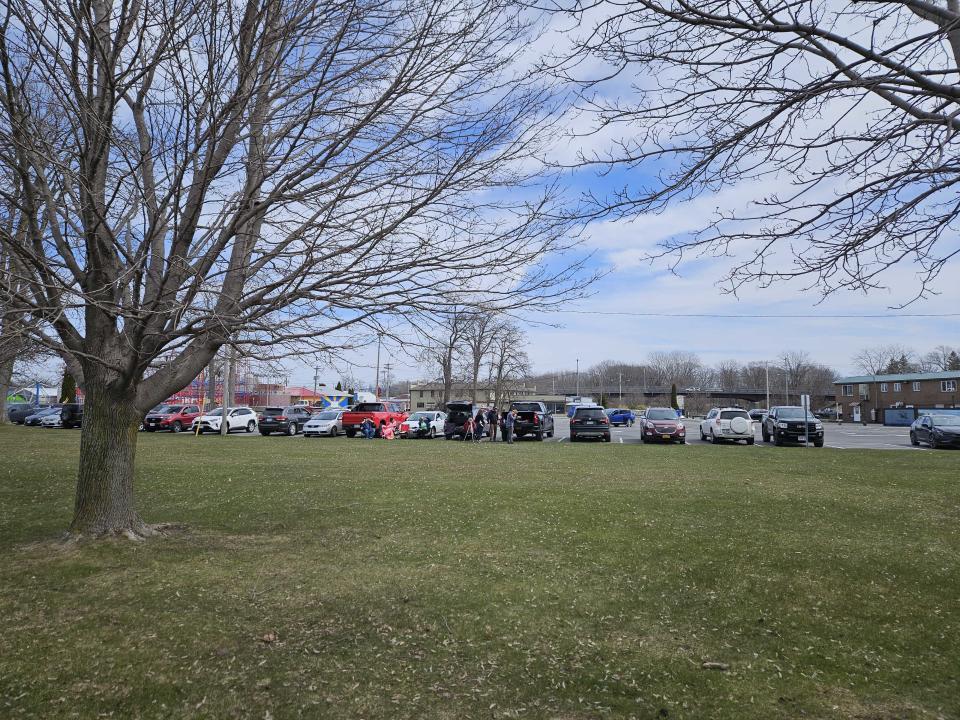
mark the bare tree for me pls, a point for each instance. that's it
(236, 172)
(481, 334)
(443, 348)
(675, 366)
(837, 121)
(509, 363)
(878, 360)
(940, 358)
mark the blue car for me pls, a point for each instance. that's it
(621, 416)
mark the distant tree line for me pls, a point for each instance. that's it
(894, 359)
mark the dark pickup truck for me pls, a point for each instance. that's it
(533, 418)
(786, 424)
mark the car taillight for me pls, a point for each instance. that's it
(605, 420)
(260, 417)
(281, 417)
(536, 419)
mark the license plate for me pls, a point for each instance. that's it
(664, 435)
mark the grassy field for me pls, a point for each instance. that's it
(364, 579)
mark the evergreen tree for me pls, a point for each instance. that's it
(674, 403)
(68, 388)
(339, 386)
(953, 361)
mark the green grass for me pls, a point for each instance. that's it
(447, 580)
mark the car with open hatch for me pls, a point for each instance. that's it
(727, 424)
(938, 430)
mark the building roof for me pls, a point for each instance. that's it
(899, 377)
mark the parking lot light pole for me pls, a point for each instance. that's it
(578, 378)
(766, 367)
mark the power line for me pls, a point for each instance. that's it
(832, 316)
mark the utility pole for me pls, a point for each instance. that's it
(766, 367)
(376, 378)
(386, 371)
(578, 378)
(316, 378)
(620, 379)
(644, 384)
(786, 386)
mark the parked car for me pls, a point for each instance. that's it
(325, 422)
(936, 430)
(533, 418)
(828, 413)
(18, 412)
(34, 420)
(589, 422)
(621, 416)
(238, 418)
(458, 412)
(380, 413)
(435, 420)
(757, 414)
(51, 420)
(71, 415)
(785, 424)
(173, 418)
(727, 424)
(661, 424)
(288, 420)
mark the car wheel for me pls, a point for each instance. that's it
(539, 437)
(251, 426)
(606, 438)
(448, 437)
(702, 436)
(351, 433)
(177, 426)
(934, 445)
(291, 429)
(778, 441)
(714, 439)
(683, 441)
(432, 434)
(333, 431)
(765, 435)
(573, 438)
(750, 441)
(818, 443)
(913, 439)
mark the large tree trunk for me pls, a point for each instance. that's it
(6, 374)
(108, 443)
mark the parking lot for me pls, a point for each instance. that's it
(841, 437)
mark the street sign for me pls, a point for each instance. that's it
(805, 402)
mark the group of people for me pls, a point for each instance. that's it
(473, 429)
(476, 427)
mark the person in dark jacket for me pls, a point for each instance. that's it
(508, 420)
(492, 423)
(479, 421)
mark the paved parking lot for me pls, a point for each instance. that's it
(844, 437)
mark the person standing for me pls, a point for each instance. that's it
(479, 421)
(492, 421)
(508, 422)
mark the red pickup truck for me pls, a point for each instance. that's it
(380, 412)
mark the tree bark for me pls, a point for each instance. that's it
(6, 374)
(104, 502)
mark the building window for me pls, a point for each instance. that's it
(432, 393)
(847, 390)
(948, 386)
(864, 391)
(916, 387)
(897, 387)
(883, 387)
(419, 405)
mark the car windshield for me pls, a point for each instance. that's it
(731, 414)
(952, 420)
(590, 413)
(418, 415)
(611, 411)
(272, 411)
(791, 413)
(168, 409)
(215, 413)
(661, 414)
(329, 415)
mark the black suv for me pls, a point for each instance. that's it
(785, 424)
(289, 420)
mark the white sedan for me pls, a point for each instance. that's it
(727, 424)
(51, 421)
(238, 418)
(434, 420)
(327, 422)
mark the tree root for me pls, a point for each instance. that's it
(137, 533)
